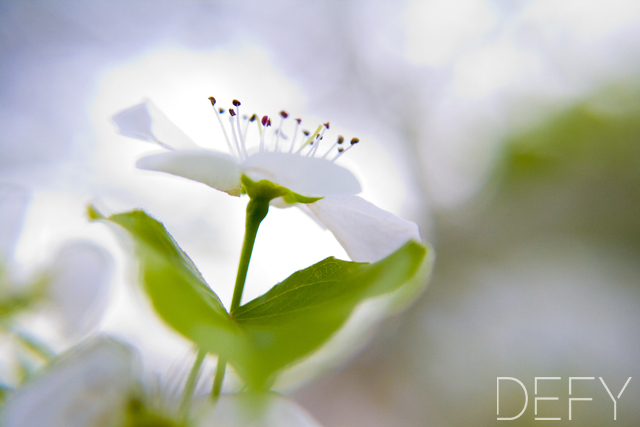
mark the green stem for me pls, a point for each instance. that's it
(257, 210)
(190, 385)
(217, 382)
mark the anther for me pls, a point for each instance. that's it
(326, 125)
(253, 118)
(236, 103)
(284, 114)
(233, 113)
(306, 132)
(354, 141)
(338, 142)
(224, 131)
(298, 121)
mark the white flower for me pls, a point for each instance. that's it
(79, 285)
(85, 388)
(76, 283)
(328, 190)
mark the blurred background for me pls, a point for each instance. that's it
(509, 130)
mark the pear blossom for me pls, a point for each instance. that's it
(307, 174)
(80, 276)
(89, 386)
(75, 284)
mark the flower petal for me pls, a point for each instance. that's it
(79, 286)
(145, 121)
(365, 231)
(218, 170)
(86, 387)
(308, 176)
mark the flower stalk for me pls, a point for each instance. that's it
(257, 210)
(190, 385)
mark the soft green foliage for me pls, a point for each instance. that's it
(267, 190)
(271, 332)
(575, 173)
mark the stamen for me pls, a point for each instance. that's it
(283, 115)
(341, 150)
(318, 138)
(310, 140)
(242, 139)
(265, 122)
(224, 131)
(339, 141)
(240, 134)
(245, 118)
(295, 136)
(235, 136)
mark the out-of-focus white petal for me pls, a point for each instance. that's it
(308, 176)
(81, 274)
(218, 170)
(145, 121)
(271, 410)
(366, 232)
(13, 205)
(86, 387)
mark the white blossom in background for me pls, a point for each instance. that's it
(79, 285)
(270, 410)
(301, 166)
(74, 286)
(88, 387)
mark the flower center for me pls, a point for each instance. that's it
(276, 140)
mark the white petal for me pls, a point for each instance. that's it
(365, 231)
(308, 176)
(81, 274)
(218, 170)
(145, 121)
(86, 387)
(272, 410)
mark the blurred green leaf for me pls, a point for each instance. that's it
(577, 172)
(271, 332)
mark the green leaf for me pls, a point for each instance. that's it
(298, 315)
(275, 330)
(179, 294)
